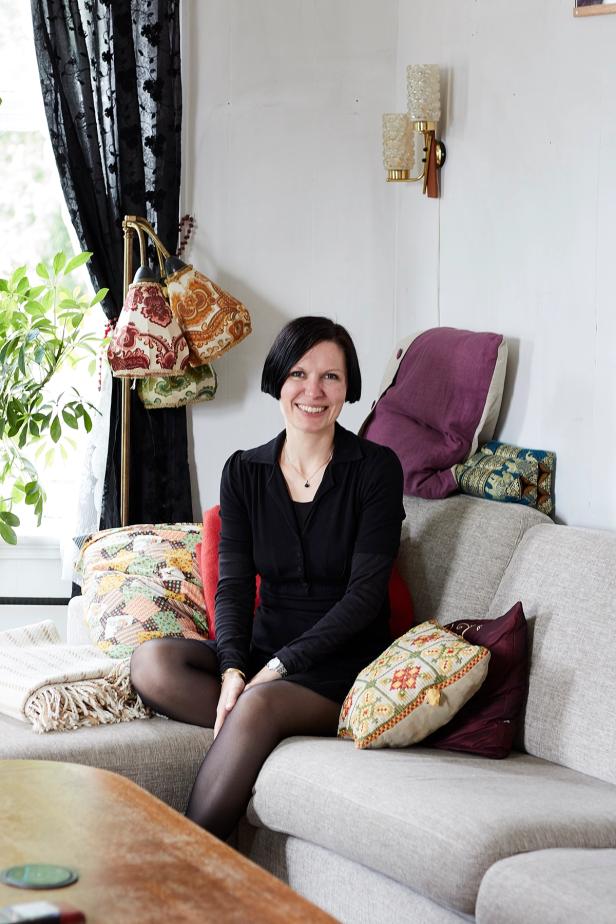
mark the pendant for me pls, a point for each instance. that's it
(307, 484)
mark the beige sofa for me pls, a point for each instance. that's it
(425, 835)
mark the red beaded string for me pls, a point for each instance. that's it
(185, 229)
(109, 326)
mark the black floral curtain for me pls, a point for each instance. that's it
(111, 82)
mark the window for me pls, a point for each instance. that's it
(34, 224)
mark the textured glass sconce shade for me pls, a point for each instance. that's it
(424, 92)
(398, 145)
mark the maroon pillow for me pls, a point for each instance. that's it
(444, 399)
(488, 723)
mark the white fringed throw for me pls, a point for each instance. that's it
(57, 687)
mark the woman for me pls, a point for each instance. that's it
(316, 513)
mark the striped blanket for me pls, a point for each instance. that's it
(58, 687)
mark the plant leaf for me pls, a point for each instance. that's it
(58, 262)
(42, 271)
(8, 533)
(100, 295)
(56, 429)
(70, 419)
(79, 260)
(17, 276)
(9, 517)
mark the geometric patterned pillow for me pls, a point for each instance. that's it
(142, 582)
(502, 472)
(413, 688)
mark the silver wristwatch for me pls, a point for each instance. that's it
(275, 664)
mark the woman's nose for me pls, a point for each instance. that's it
(313, 386)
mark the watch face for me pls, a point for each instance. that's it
(274, 664)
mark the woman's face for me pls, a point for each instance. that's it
(314, 391)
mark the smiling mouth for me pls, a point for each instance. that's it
(310, 409)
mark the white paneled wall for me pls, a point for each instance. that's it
(282, 168)
(526, 228)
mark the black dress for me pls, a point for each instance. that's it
(324, 606)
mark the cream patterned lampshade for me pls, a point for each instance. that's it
(424, 92)
(398, 145)
(147, 339)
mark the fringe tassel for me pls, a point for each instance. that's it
(105, 700)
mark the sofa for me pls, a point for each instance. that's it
(422, 834)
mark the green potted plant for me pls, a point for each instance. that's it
(41, 333)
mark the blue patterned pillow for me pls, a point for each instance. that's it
(508, 473)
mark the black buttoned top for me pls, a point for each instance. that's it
(324, 605)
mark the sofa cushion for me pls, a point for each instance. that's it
(487, 724)
(566, 579)
(434, 821)
(510, 474)
(444, 394)
(550, 887)
(351, 893)
(158, 754)
(142, 582)
(416, 685)
(454, 552)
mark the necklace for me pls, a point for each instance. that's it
(310, 477)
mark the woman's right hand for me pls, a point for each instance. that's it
(232, 687)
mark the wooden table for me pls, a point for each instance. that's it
(138, 860)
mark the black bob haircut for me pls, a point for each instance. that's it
(295, 339)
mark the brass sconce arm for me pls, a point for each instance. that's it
(400, 131)
(404, 176)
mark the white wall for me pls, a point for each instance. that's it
(522, 241)
(282, 167)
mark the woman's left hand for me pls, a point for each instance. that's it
(265, 675)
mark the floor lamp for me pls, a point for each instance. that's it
(147, 339)
(212, 321)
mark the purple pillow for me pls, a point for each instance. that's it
(488, 723)
(442, 398)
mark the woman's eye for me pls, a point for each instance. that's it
(331, 375)
(296, 374)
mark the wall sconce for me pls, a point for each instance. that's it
(401, 129)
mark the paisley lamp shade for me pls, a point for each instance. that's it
(147, 339)
(212, 320)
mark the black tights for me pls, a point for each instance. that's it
(179, 678)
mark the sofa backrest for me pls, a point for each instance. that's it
(454, 552)
(566, 580)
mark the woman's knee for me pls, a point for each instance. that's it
(150, 665)
(291, 709)
(278, 708)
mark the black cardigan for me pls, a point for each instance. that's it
(323, 587)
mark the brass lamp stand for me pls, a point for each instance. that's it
(132, 225)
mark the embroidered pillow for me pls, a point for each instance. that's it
(508, 473)
(487, 725)
(413, 688)
(142, 582)
(440, 397)
(400, 602)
